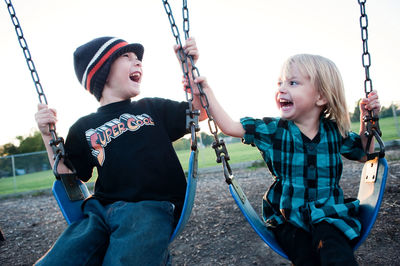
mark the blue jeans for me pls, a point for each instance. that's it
(122, 233)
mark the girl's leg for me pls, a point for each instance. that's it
(332, 246)
(297, 244)
(140, 233)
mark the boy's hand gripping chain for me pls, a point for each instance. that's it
(218, 145)
(192, 115)
(57, 143)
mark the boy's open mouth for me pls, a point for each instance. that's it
(135, 76)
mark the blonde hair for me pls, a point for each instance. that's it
(326, 78)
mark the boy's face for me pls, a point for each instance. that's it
(125, 76)
(297, 98)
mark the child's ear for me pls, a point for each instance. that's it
(321, 101)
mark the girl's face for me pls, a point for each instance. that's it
(125, 76)
(297, 98)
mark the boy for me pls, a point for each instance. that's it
(141, 186)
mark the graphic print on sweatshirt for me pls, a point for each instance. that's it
(99, 138)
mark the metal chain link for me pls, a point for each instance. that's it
(366, 57)
(56, 143)
(185, 15)
(218, 145)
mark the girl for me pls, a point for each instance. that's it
(305, 207)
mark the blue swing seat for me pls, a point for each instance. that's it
(72, 211)
(370, 194)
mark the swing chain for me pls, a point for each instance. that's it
(371, 121)
(56, 143)
(192, 115)
(218, 145)
(366, 57)
(185, 15)
(25, 49)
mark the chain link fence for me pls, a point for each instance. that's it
(21, 164)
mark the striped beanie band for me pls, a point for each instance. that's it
(92, 61)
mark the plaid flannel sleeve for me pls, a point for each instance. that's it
(258, 131)
(352, 147)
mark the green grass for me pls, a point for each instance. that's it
(207, 158)
(35, 181)
(29, 182)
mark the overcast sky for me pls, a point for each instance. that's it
(242, 46)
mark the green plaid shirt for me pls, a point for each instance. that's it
(306, 173)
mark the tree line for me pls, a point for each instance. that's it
(385, 112)
(34, 143)
(20, 165)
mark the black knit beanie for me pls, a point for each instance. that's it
(92, 61)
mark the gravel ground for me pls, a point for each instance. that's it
(216, 234)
